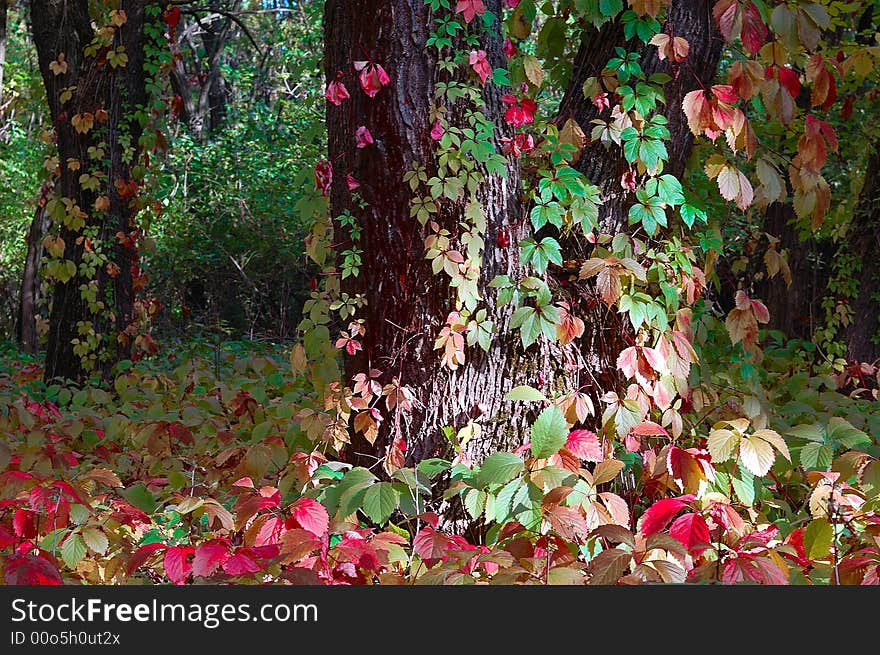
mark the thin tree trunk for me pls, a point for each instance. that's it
(4, 8)
(29, 299)
(115, 93)
(605, 334)
(863, 335)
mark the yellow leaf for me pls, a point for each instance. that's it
(533, 70)
(59, 66)
(756, 455)
(95, 539)
(722, 444)
(572, 133)
(82, 123)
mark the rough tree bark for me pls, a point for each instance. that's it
(406, 303)
(65, 27)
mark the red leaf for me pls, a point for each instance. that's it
(430, 544)
(754, 31)
(480, 64)
(25, 569)
(241, 564)
(585, 445)
(177, 563)
(660, 513)
(789, 79)
(141, 555)
(324, 176)
(470, 8)
(172, 17)
(208, 557)
(692, 531)
(24, 523)
(684, 468)
(311, 516)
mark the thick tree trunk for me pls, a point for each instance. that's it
(112, 94)
(795, 309)
(407, 304)
(863, 335)
(29, 298)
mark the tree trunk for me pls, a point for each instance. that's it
(795, 309)
(29, 298)
(863, 335)
(406, 303)
(605, 331)
(4, 8)
(690, 20)
(97, 304)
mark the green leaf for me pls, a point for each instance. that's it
(525, 392)
(73, 550)
(380, 501)
(549, 432)
(744, 486)
(844, 433)
(475, 502)
(808, 432)
(140, 497)
(499, 468)
(433, 466)
(818, 538)
(816, 456)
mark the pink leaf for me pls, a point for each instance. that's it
(649, 428)
(177, 564)
(241, 564)
(208, 557)
(372, 77)
(430, 544)
(470, 8)
(480, 64)
(311, 516)
(336, 93)
(362, 137)
(585, 445)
